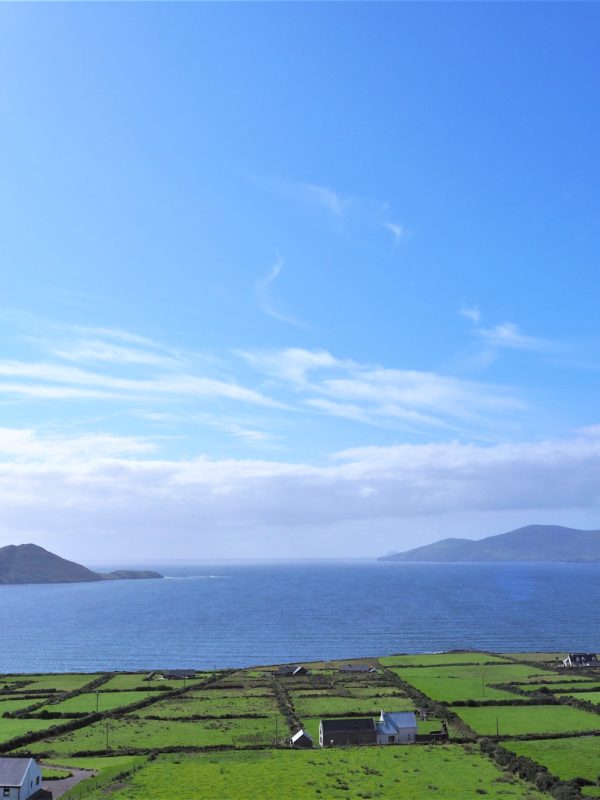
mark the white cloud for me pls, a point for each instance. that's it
(262, 294)
(396, 230)
(373, 394)
(509, 335)
(71, 487)
(334, 202)
(473, 313)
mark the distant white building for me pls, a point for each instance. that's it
(20, 778)
(581, 660)
(397, 727)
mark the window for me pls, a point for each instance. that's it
(6, 791)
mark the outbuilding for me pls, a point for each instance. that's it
(397, 727)
(360, 668)
(355, 730)
(291, 671)
(302, 739)
(20, 778)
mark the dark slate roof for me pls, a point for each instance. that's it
(12, 771)
(583, 656)
(355, 668)
(179, 673)
(343, 725)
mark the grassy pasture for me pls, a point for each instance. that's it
(518, 720)
(86, 703)
(465, 683)
(591, 697)
(61, 683)
(10, 728)
(574, 685)
(16, 703)
(214, 703)
(437, 659)
(143, 734)
(410, 773)
(567, 758)
(369, 706)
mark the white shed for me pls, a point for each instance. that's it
(398, 727)
(302, 739)
(20, 778)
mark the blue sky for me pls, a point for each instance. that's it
(297, 280)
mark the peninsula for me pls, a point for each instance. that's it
(548, 543)
(30, 563)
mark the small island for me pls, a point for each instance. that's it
(30, 563)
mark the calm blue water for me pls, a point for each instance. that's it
(237, 615)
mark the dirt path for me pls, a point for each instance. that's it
(58, 788)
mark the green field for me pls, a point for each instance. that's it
(591, 697)
(241, 712)
(518, 720)
(568, 758)
(17, 704)
(10, 728)
(406, 773)
(437, 659)
(144, 734)
(574, 685)
(332, 706)
(465, 683)
(214, 703)
(87, 702)
(60, 683)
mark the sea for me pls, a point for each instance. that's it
(243, 614)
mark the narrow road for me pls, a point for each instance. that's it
(58, 788)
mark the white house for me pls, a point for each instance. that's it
(581, 660)
(398, 727)
(20, 778)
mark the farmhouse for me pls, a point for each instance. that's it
(302, 739)
(581, 660)
(396, 727)
(357, 668)
(21, 778)
(291, 670)
(335, 732)
(179, 674)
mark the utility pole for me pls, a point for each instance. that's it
(97, 699)
(497, 729)
(276, 732)
(107, 734)
(482, 686)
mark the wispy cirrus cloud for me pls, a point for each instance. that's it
(509, 335)
(419, 400)
(262, 291)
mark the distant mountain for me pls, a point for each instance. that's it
(532, 543)
(29, 563)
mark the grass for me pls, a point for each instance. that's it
(436, 659)
(591, 697)
(86, 703)
(574, 685)
(369, 706)
(410, 773)
(143, 734)
(61, 683)
(518, 720)
(565, 758)
(16, 704)
(466, 683)
(214, 703)
(11, 728)
(129, 681)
